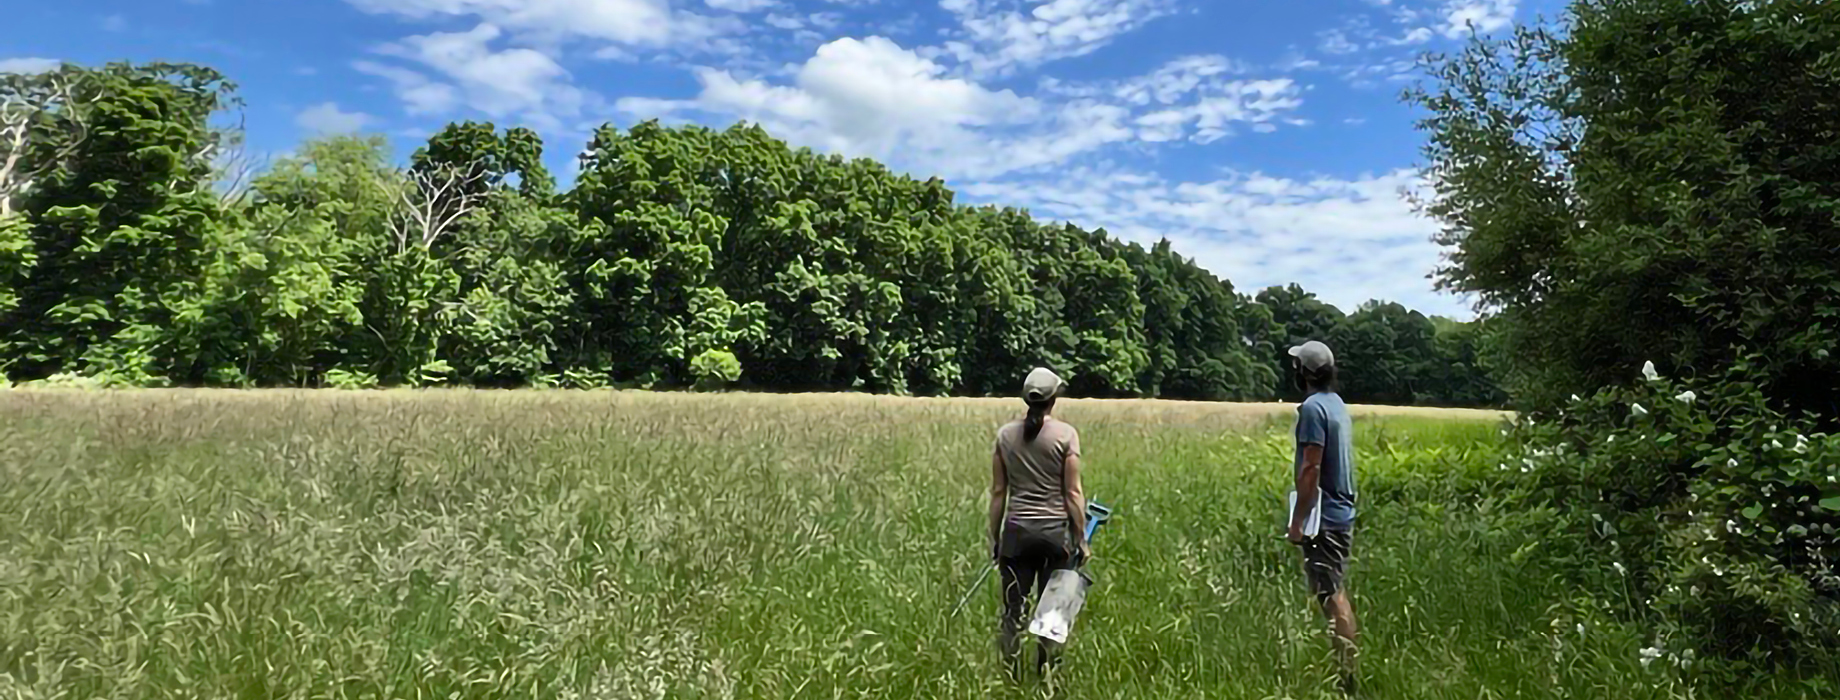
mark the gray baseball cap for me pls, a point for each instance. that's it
(1314, 356)
(1041, 385)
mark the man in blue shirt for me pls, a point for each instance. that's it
(1325, 477)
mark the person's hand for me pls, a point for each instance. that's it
(1296, 533)
(1085, 552)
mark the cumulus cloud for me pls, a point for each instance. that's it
(1349, 240)
(28, 66)
(1001, 36)
(863, 97)
(327, 118)
(512, 82)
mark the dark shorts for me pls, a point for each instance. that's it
(1325, 561)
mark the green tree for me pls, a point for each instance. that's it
(1654, 182)
(120, 220)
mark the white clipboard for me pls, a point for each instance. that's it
(1311, 524)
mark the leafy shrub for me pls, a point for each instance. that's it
(344, 379)
(715, 369)
(1719, 512)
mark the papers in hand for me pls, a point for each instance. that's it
(1312, 523)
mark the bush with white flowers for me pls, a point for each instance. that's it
(1721, 513)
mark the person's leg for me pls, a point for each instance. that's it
(1325, 559)
(1016, 579)
(1341, 617)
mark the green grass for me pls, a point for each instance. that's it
(544, 544)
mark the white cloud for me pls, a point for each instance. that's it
(1486, 15)
(513, 82)
(1336, 41)
(998, 37)
(873, 98)
(1257, 102)
(786, 22)
(1349, 240)
(28, 66)
(863, 97)
(1412, 37)
(327, 118)
(742, 5)
(1175, 79)
(653, 23)
(419, 94)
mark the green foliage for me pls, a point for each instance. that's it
(715, 369)
(1385, 353)
(341, 379)
(1655, 180)
(467, 266)
(1709, 503)
(16, 259)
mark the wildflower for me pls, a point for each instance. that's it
(1611, 439)
(1638, 410)
(1649, 655)
(1732, 463)
(1686, 396)
(1649, 373)
(1776, 443)
(1575, 398)
(1620, 571)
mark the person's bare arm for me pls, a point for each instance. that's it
(1307, 479)
(1075, 497)
(999, 497)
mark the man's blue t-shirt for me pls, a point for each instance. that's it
(1323, 420)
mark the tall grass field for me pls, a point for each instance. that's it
(629, 545)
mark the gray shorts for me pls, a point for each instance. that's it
(1325, 561)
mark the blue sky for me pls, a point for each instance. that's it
(1265, 138)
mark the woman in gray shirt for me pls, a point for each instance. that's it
(1037, 509)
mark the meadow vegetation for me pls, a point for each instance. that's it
(631, 545)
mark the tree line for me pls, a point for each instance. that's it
(136, 250)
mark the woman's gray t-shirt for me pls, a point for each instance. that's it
(1036, 470)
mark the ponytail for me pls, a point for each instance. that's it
(1038, 415)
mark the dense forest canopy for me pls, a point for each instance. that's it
(679, 257)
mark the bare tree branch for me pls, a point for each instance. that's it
(431, 203)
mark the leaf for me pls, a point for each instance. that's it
(1753, 511)
(1831, 502)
